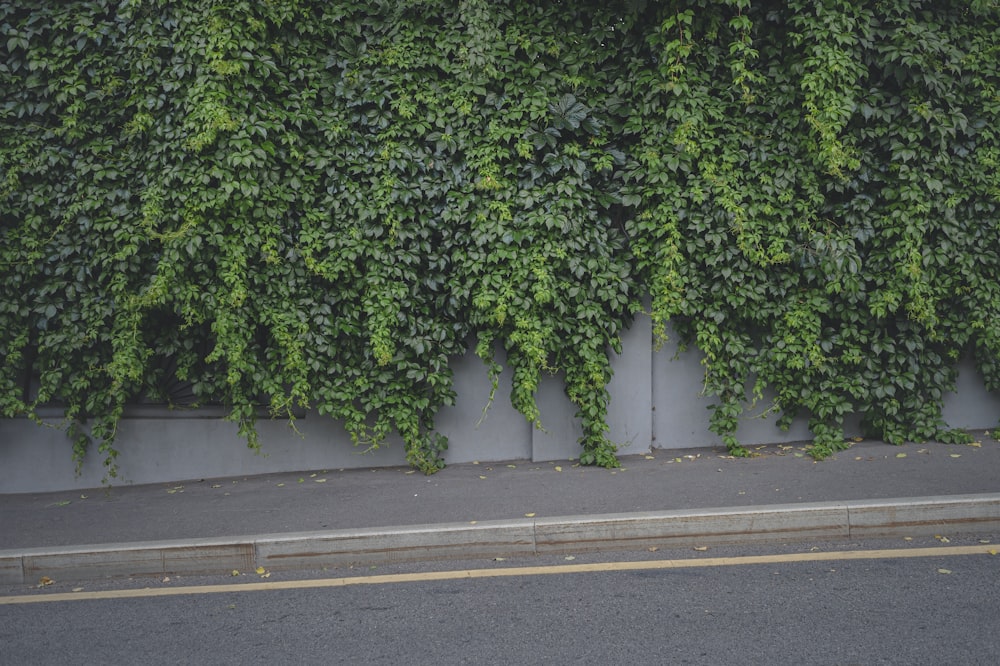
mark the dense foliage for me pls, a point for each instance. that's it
(299, 203)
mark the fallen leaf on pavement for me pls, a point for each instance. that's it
(976, 445)
(481, 476)
(701, 549)
(652, 549)
(45, 580)
(260, 570)
(320, 480)
(900, 455)
(558, 468)
(529, 515)
(499, 559)
(569, 557)
(942, 539)
(235, 572)
(944, 571)
(78, 589)
(956, 455)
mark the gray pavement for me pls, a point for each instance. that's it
(333, 517)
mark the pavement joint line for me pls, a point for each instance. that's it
(506, 572)
(832, 520)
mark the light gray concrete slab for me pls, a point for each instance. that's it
(970, 405)
(110, 563)
(681, 412)
(207, 558)
(630, 416)
(11, 570)
(926, 516)
(691, 528)
(192, 556)
(478, 428)
(405, 544)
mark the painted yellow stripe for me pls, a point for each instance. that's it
(385, 579)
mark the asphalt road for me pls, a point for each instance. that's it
(879, 609)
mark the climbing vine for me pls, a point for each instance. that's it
(321, 204)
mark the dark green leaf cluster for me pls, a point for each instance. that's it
(317, 204)
(818, 205)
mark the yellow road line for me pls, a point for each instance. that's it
(385, 579)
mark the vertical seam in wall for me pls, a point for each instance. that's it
(652, 390)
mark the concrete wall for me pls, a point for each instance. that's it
(656, 402)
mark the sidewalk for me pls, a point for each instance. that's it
(331, 517)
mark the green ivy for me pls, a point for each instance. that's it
(322, 204)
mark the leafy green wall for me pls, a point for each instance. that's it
(321, 203)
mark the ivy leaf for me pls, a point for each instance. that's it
(568, 113)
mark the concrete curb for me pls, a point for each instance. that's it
(501, 538)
